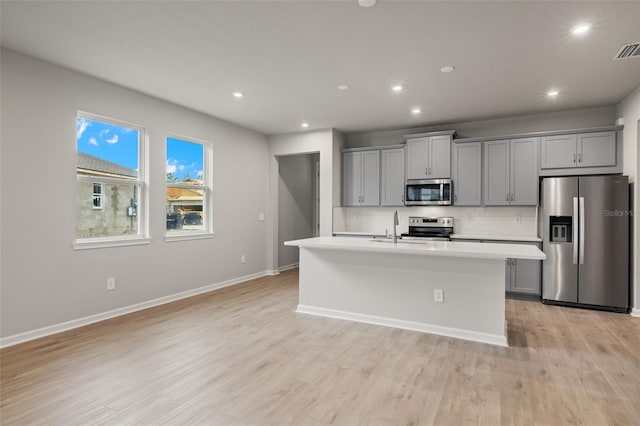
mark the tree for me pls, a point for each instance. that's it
(171, 178)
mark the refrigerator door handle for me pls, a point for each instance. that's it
(582, 230)
(573, 232)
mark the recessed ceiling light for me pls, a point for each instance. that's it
(343, 87)
(397, 88)
(367, 3)
(552, 93)
(238, 95)
(581, 29)
(416, 111)
(447, 69)
(305, 124)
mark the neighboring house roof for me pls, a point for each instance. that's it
(88, 164)
(183, 194)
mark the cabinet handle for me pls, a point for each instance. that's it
(426, 171)
(507, 196)
(513, 196)
(580, 158)
(574, 158)
(455, 197)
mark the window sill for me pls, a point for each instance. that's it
(184, 236)
(97, 243)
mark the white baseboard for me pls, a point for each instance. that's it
(68, 325)
(493, 339)
(635, 312)
(287, 267)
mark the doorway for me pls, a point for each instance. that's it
(298, 204)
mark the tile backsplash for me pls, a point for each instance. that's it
(499, 221)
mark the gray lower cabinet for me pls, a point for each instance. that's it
(522, 277)
(361, 178)
(511, 172)
(466, 174)
(392, 183)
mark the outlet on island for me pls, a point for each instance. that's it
(438, 295)
(243, 259)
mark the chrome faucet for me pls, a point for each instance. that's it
(395, 224)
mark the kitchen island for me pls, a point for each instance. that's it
(379, 282)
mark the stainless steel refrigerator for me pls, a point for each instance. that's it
(584, 224)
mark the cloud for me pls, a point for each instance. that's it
(113, 140)
(181, 167)
(93, 141)
(104, 132)
(81, 126)
(171, 166)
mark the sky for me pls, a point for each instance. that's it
(184, 159)
(107, 141)
(119, 145)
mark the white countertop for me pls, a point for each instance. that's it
(358, 234)
(495, 237)
(427, 248)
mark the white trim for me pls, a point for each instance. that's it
(69, 325)
(287, 267)
(474, 336)
(635, 312)
(183, 236)
(96, 243)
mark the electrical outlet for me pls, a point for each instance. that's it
(243, 259)
(438, 295)
(260, 216)
(111, 283)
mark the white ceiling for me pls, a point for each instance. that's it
(289, 56)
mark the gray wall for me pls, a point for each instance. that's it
(43, 280)
(573, 119)
(296, 191)
(629, 109)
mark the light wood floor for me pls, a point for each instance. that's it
(241, 356)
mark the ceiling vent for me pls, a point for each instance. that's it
(631, 50)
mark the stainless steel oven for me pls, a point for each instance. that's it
(428, 192)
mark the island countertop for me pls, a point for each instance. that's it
(427, 248)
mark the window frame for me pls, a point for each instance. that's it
(206, 187)
(141, 183)
(99, 195)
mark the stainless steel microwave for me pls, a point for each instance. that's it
(428, 192)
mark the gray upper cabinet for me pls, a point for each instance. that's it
(466, 174)
(596, 149)
(440, 157)
(524, 172)
(511, 172)
(429, 157)
(361, 178)
(370, 178)
(351, 178)
(417, 158)
(558, 152)
(392, 185)
(496, 173)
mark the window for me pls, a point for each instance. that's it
(109, 180)
(97, 195)
(188, 187)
